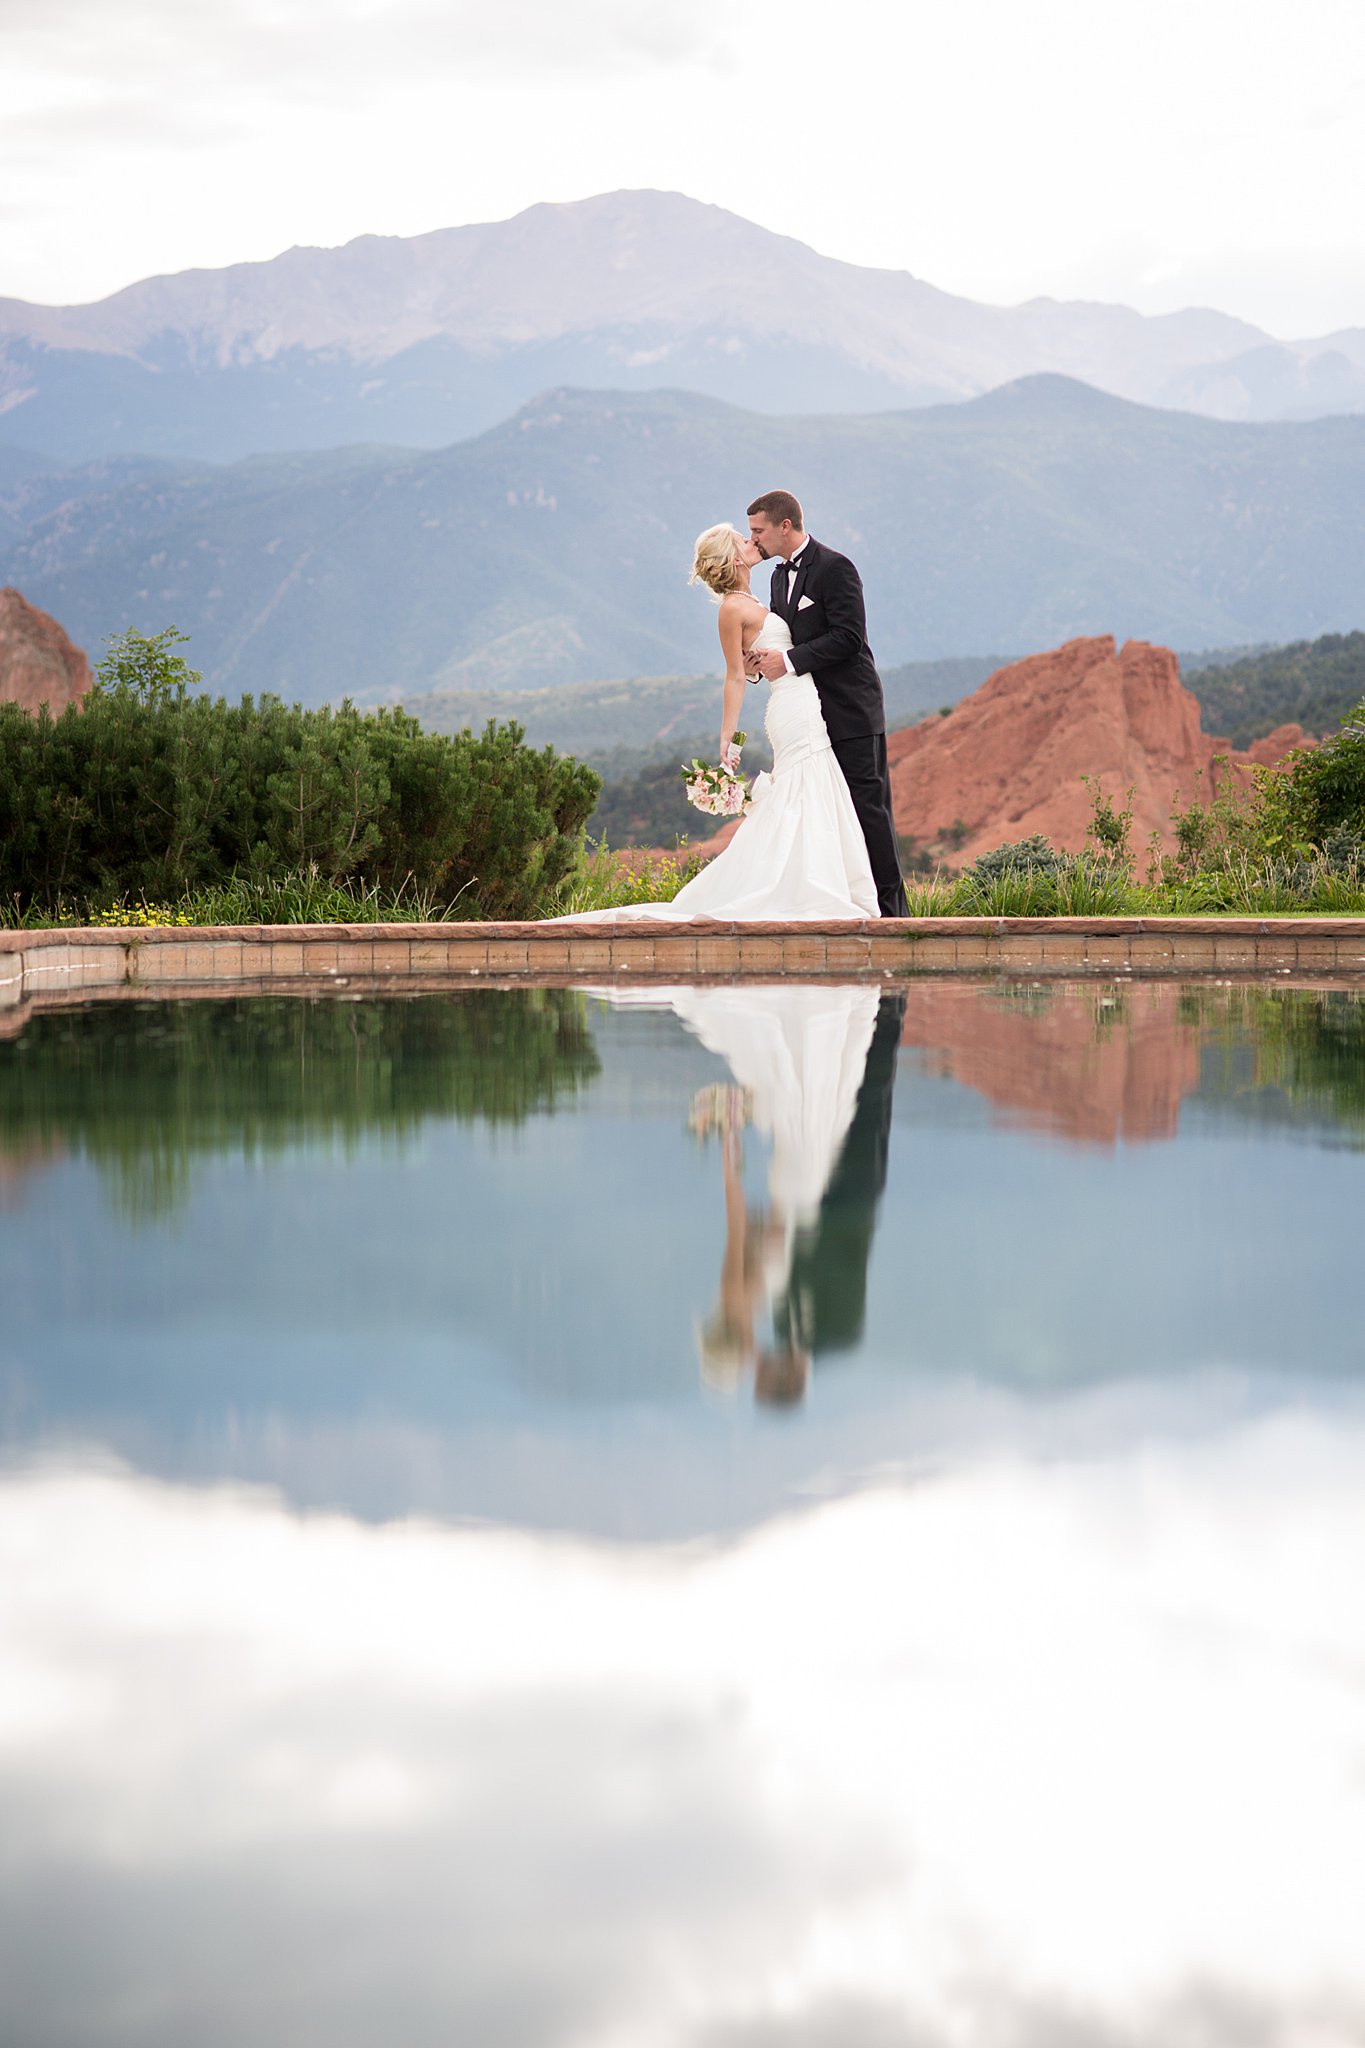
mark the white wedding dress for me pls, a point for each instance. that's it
(799, 1051)
(799, 852)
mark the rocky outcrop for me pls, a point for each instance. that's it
(1268, 751)
(38, 664)
(1008, 761)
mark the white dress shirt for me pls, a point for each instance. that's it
(792, 561)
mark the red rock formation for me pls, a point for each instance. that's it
(1270, 750)
(38, 664)
(1129, 1056)
(1008, 761)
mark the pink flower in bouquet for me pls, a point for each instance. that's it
(715, 790)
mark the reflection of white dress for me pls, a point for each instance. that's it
(801, 1053)
(800, 1050)
(799, 852)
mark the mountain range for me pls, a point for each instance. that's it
(555, 548)
(429, 339)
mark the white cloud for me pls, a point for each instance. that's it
(999, 151)
(313, 47)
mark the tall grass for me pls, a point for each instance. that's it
(310, 899)
(600, 880)
(286, 899)
(1245, 887)
(604, 880)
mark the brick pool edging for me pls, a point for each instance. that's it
(168, 959)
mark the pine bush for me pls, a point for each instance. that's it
(150, 789)
(1033, 856)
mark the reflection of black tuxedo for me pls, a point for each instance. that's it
(829, 644)
(826, 1297)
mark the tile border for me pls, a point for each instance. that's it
(89, 963)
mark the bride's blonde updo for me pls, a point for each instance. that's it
(716, 560)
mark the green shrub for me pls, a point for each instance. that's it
(149, 790)
(1031, 857)
(1294, 827)
(1322, 794)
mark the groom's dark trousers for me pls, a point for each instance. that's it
(824, 609)
(863, 760)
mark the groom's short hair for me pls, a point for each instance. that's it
(780, 505)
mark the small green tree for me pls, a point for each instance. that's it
(146, 666)
(1110, 831)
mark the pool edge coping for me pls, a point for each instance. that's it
(165, 960)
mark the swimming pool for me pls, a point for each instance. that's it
(715, 1514)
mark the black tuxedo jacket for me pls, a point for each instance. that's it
(829, 640)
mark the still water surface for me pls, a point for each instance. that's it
(708, 1517)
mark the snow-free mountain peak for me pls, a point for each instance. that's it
(427, 338)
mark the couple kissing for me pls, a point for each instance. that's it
(817, 841)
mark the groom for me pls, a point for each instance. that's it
(820, 595)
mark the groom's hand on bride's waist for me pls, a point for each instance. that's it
(766, 662)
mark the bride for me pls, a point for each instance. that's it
(799, 852)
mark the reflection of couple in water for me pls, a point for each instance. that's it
(813, 1069)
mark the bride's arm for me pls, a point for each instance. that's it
(736, 681)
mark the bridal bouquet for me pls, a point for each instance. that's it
(719, 1109)
(716, 790)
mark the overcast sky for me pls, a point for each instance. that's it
(1189, 152)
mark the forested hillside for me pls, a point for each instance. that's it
(1312, 683)
(555, 549)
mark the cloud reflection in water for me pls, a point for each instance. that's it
(1027, 1751)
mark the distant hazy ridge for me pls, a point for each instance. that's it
(426, 340)
(555, 548)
